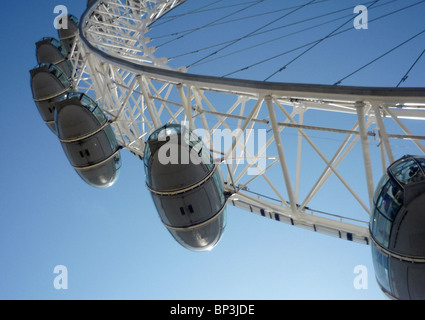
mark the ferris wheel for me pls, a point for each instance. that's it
(207, 141)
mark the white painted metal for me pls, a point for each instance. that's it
(140, 93)
(360, 106)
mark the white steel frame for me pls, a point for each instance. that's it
(140, 93)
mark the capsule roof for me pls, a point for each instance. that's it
(50, 50)
(169, 158)
(396, 226)
(67, 35)
(397, 211)
(48, 84)
(407, 170)
(48, 81)
(77, 123)
(52, 42)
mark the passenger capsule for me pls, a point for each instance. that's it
(397, 228)
(186, 187)
(48, 84)
(50, 50)
(67, 35)
(88, 140)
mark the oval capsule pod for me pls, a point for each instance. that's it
(48, 84)
(50, 50)
(186, 187)
(397, 229)
(67, 34)
(88, 140)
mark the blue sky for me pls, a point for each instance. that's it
(112, 241)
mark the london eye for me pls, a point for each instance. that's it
(218, 121)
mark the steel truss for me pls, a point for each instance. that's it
(140, 93)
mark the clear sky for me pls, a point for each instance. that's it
(112, 241)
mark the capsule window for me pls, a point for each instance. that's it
(182, 211)
(406, 171)
(422, 163)
(390, 200)
(381, 184)
(381, 228)
(190, 208)
(381, 263)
